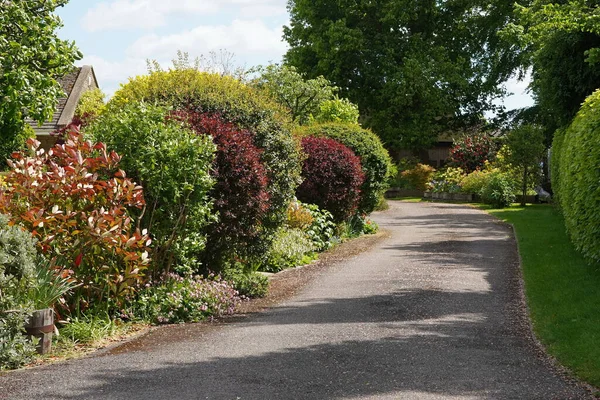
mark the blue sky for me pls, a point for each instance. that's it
(116, 37)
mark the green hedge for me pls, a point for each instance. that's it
(375, 160)
(579, 178)
(557, 151)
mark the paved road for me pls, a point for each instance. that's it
(433, 312)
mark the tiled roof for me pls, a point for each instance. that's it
(73, 84)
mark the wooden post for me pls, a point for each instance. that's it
(41, 326)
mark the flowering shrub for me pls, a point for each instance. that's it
(332, 177)
(240, 194)
(471, 152)
(418, 177)
(178, 299)
(76, 202)
(448, 180)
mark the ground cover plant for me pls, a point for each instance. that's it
(562, 289)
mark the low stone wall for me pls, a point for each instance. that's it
(398, 192)
(468, 197)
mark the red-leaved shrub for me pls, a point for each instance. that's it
(240, 194)
(471, 152)
(75, 200)
(332, 177)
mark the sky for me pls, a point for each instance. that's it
(116, 37)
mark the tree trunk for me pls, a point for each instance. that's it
(524, 186)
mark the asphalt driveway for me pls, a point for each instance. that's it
(432, 312)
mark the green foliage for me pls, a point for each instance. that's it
(177, 299)
(31, 57)
(475, 181)
(447, 180)
(302, 97)
(188, 89)
(248, 283)
(91, 105)
(498, 190)
(51, 283)
(417, 177)
(557, 150)
(526, 150)
(336, 110)
(414, 68)
(18, 258)
(290, 248)
(374, 158)
(322, 229)
(173, 165)
(560, 42)
(579, 176)
(87, 329)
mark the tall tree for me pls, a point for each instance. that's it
(414, 67)
(31, 58)
(560, 42)
(302, 97)
(526, 151)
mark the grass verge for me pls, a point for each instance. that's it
(563, 291)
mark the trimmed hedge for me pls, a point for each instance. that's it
(375, 160)
(332, 177)
(241, 105)
(557, 150)
(579, 177)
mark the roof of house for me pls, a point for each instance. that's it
(74, 84)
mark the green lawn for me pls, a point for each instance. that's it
(563, 291)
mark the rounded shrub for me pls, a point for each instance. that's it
(332, 177)
(374, 158)
(498, 190)
(246, 108)
(173, 165)
(578, 177)
(241, 197)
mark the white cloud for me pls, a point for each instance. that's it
(148, 14)
(111, 74)
(241, 37)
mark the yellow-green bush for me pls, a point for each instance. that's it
(418, 177)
